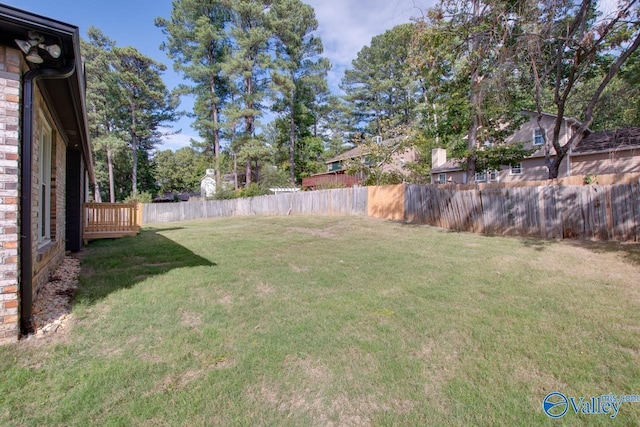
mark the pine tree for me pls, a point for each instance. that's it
(299, 74)
(198, 44)
(146, 103)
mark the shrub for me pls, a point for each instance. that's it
(144, 197)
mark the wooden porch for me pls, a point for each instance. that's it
(332, 179)
(110, 220)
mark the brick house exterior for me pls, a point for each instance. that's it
(45, 160)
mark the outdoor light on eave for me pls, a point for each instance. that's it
(36, 41)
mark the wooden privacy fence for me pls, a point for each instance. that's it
(110, 220)
(344, 201)
(595, 212)
(566, 212)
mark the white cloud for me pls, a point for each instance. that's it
(346, 26)
(176, 141)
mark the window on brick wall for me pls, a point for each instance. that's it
(44, 181)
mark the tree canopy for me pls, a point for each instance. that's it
(458, 77)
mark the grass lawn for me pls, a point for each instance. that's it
(297, 321)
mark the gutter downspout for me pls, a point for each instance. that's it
(30, 78)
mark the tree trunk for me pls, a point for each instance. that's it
(474, 100)
(247, 179)
(216, 135)
(235, 171)
(96, 193)
(134, 148)
(554, 167)
(112, 191)
(292, 141)
(248, 123)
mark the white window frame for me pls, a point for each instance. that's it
(516, 170)
(535, 134)
(493, 176)
(442, 178)
(481, 176)
(44, 182)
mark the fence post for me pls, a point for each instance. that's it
(138, 210)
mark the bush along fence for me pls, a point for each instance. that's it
(610, 212)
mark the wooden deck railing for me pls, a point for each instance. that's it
(110, 220)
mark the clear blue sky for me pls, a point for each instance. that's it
(345, 26)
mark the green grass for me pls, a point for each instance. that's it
(333, 321)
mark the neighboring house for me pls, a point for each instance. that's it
(607, 152)
(337, 173)
(45, 158)
(532, 168)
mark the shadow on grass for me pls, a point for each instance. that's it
(537, 243)
(113, 264)
(629, 251)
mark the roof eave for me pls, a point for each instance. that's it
(69, 38)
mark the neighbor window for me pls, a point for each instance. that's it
(44, 193)
(517, 169)
(493, 175)
(442, 178)
(481, 177)
(538, 137)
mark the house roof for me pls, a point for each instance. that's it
(609, 140)
(570, 120)
(354, 152)
(66, 97)
(448, 166)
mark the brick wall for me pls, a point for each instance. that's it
(46, 258)
(9, 121)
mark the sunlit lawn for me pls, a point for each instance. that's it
(333, 321)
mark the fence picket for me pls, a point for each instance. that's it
(550, 211)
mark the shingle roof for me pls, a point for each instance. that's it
(354, 152)
(609, 140)
(449, 166)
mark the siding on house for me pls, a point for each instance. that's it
(627, 161)
(525, 133)
(10, 60)
(398, 160)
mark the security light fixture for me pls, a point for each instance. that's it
(34, 42)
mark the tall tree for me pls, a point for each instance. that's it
(487, 71)
(198, 44)
(298, 74)
(247, 69)
(565, 39)
(103, 99)
(380, 85)
(147, 102)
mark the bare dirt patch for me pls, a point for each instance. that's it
(52, 307)
(264, 289)
(226, 300)
(297, 268)
(315, 232)
(190, 319)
